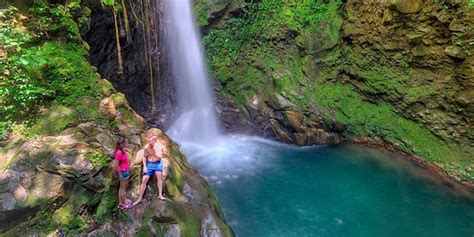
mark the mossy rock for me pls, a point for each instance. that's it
(88, 110)
(68, 216)
(407, 7)
(56, 119)
(205, 9)
(119, 99)
(126, 114)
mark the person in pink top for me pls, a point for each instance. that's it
(122, 166)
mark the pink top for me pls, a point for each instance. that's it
(122, 158)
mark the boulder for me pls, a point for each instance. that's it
(407, 6)
(280, 132)
(295, 119)
(455, 52)
(414, 37)
(7, 202)
(328, 138)
(107, 108)
(301, 139)
(280, 103)
(456, 26)
(106, 87)
(46, 191)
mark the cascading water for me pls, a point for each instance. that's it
(197, 121)
(270, 189)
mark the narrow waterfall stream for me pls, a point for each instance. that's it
(197, 121)
(271, 189)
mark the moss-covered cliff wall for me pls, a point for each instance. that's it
(327, 71)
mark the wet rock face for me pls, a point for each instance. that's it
(277, 118)
(428, 43)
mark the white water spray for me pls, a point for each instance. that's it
(197, 121)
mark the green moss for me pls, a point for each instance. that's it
(119, 99)
(189, 222)
(177, 177)
(56, 119)
(365, 118)
(382, 77)
(88, 110)
(32, 201)
(67, 218)
(249, 53)
(145, 231)
(107, 204)
(201, 10)
(128, 116)
(106, 87)
(272, 47)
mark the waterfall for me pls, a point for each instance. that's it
(197, 121)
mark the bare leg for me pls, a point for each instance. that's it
(159, 183)
(142, 189)
(123, 191)
(165, 171)
(163, 178)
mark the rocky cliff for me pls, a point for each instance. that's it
(59, 126)
(64, 182)
(323, 72)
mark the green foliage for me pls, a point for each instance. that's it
(108, 2)
(54, 19)
(10, 37)
(32, 74)
(54, 70)
(245, 53)
(98, 158)
(201, 9)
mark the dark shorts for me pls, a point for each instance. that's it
(153, 167)
(124, 175)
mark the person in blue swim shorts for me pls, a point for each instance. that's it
(152, 165)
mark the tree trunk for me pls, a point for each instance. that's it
(127, 25)
(117, 41)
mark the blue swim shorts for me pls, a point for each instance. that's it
(153, 167)
(124, 175)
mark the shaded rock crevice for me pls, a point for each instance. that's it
(138, 78)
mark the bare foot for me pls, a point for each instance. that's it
(162, 198)
(137, 202)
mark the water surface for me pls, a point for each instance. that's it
(270, 189)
